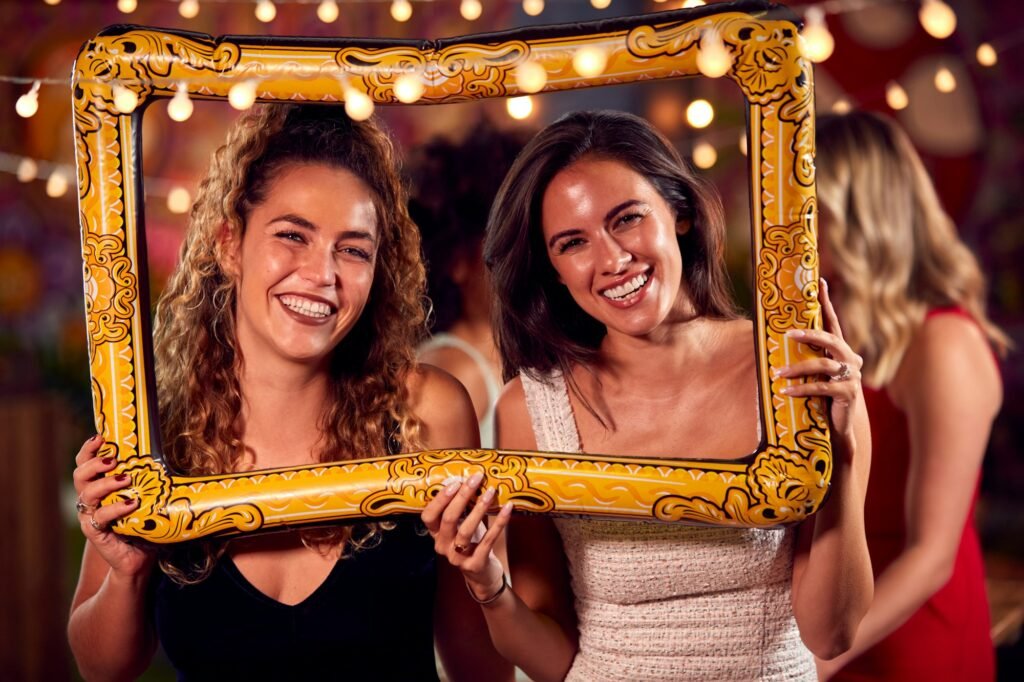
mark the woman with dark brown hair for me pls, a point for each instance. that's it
(617, 331)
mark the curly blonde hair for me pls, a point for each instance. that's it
(197, 358)
(896, 252)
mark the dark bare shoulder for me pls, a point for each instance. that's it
(512, 423)
(443, 406)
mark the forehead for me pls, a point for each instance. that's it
(316, 190)
(588, 188)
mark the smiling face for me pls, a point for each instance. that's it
(305, 265)
(612, 240)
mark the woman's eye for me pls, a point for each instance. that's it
(568, 244)
(292, 236)
(356, 252)
(630, 219)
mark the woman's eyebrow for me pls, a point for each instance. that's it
(299, 221)
(621, 207)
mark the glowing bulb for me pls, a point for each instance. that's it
(589, 61)
(52, 2)
(704, 155)
(327, 11)
(56, 184)
(358, 105)
(818, 43)
(28, 169)
(937, 18)
(986, 55)
(693, 3)
(242, 95)
(841, 106)
(125, 100)
(743, 144)
(180, 107)
(600, 4)
(700, 113)
(189, 8)
(533, 7)
(945, 81)
(713, 59)
(401, 10)
(531, 77)
(896, 96)
(127, 7)
(519, 107)
(408, 88)
(266, 11)
(28, 104)
(179, 200)
(471, 9)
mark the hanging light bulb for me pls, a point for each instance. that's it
(531, 77)
(401, 10)
(986, 55)
(56, 184)
(28, 169)
(841, 106)
(125, 100)
(266, 10)
(818, 43)
(600, 4)
(743, 144)
(327, 11)
(471, 9)
(937, 18)
(713, 59)
(589, 61)
(179, 200)
(188, 8)
(945, 81)
(704, 155)
(533, 7)
(700, 113)
(358, 105)
(242, 95)
(127, 6)
(693, 3)
(408, 88)
(180, 107)
(28, 104)
(52, 2)
(519, 107)
(896, 96)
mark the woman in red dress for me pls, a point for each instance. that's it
(912, 301)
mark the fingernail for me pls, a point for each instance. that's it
(824, 284)
(93, 437)
(108, 460)
(796, 333)
(488, 495)
(785, 390)
(452, 488)
(476, 479)
(780, 372)
(506, 509)
(130, 503)
(121, 478)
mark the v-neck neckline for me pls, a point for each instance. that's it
(236, 574)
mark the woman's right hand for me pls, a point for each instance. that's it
(92, 486)
(466, 542)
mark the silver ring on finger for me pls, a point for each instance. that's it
(82, 507)
(843, 374)
(96, 526)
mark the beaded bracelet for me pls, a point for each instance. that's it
(493, 598)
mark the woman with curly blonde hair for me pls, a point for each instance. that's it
(912, 299)
(285, 337)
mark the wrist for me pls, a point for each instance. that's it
(487, 595)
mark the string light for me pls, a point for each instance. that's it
(533, 7)
(51, 3)
(818, 43)
(358, 105)
(28, 169)
(408, 88)
(896, 96)
(531, 77)
(401, 10)
(937, 18)
(127, 7)
(242, 95)
(986, 55)
(179, 200)
(589, 61)
(841, 106)
(56, 184)
(600, 4)
(704, 155)
(470, 9)
(266, 11)
(693, 3)
(327, 11)
(28, 104)
(519, 107)
(180, 107)
(700, 113)
(945, 81)
(713, 59)
(188, 8)
(125, 100)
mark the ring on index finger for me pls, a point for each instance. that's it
(843, 374)
(462, 549)
(82, 507)
(95, 524)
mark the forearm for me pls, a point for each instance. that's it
(110, 634)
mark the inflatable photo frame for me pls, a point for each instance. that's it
(783, 482)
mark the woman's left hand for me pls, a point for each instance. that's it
(836, 375)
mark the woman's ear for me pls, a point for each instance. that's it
(229, 251)
(683, 226)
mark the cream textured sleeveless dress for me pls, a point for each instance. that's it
(660, 601)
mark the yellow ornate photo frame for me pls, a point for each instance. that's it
(783, 482)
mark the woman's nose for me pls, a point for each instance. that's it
(614, 258)
(319, 267)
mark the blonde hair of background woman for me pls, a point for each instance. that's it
(894, 249)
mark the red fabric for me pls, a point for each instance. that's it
(948, 637)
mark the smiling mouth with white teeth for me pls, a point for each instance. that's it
(317, 310)
(626, 291)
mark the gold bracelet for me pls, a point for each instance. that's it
(493, 598)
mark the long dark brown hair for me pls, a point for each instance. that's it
(538, 326)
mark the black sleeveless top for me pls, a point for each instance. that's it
(371, 619)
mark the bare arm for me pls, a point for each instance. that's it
(950, 390)
(110, 628)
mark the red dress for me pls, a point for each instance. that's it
(948, 637)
